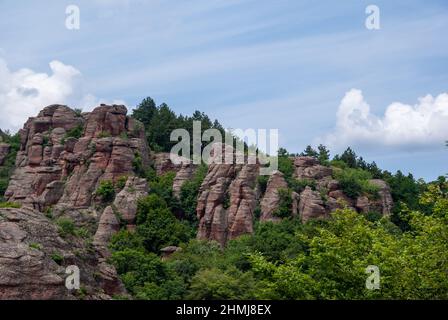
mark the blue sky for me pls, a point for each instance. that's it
(308, 68)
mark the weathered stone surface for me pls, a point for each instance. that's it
(382, 205)
(271, 199)
(163, 162)
(28, 241)
(105, 151)
(311, 205)
(107, 227)
(4, 150)
(309, 168)
(126, 200)
(185, 173)
(227, 199)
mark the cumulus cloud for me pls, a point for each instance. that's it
(23, 93)
(403, 126)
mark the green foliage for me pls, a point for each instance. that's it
(160, 121)
(78, 112)
(121, 182)
(157, 225)
(262, 182)
(34, 245)
(104, 134)
(57, 258)
(214, 284)
(163, 187)
(66, 226)
(189, 194)
(10, 205)
(74, 133)
(106, 191)
(298, 185)
(310, 152)
(334, 265)
(355, 182)
(323, 155)
(286, 166)
(9, 161)
(284, 209)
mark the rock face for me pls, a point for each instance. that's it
(325, 196)
(383, 204)
(4, 150)
(227, 200)
(311, 205)
(271, 198)
(54, 157)
(126, 200)
(29, 243)
(309, 168)
(185, 173)
(62, 159)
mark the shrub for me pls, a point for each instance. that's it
(106, 191)
(121, 182)
(285, 204)
(104, 134)
(10, 205)
(189, 193)
(262, 182)
(298, 185)
(66, 226)
(158, 226)
(57, 258)
(355, 182)
(74, 133)
(78, 112)
(35, 245)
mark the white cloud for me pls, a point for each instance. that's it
(422, 125)
(23, 93)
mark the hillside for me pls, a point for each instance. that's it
(98, 190)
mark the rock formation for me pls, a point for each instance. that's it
(34, 257)
(63, 158)
(227, 199)
(103, 149)
(271, 198)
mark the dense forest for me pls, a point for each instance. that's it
(319, 259)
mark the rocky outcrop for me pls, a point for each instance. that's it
(34, 257)
(163, 162)
(311, 205)
(63, 149)
(126, 200)
(4, 150)
(382, 204)
(185, 173)
(271, 198)
(309, 168)
(109, 225)
(227, 200)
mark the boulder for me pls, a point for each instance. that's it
(271, 199)
(311, 205)
(227, 199)
(126, 200)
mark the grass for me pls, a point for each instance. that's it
(10, 205)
